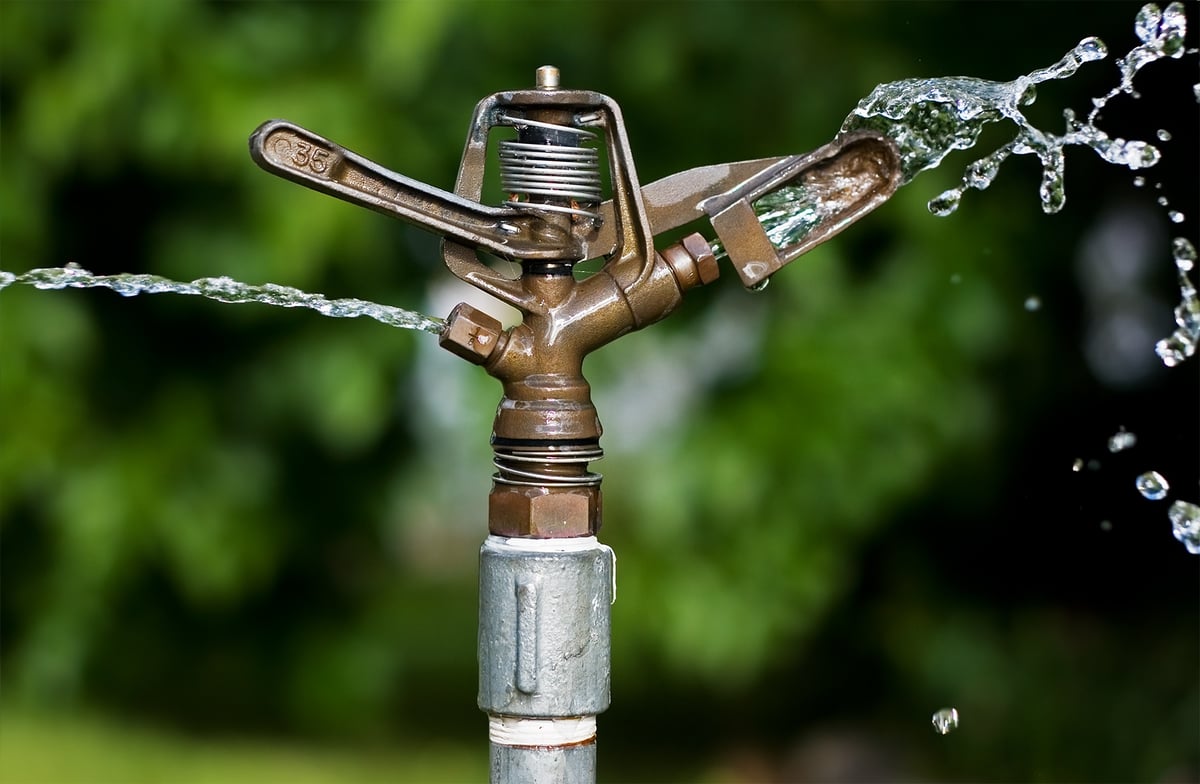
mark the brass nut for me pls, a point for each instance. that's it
(692, 261)
(542, 512)
(470, 333)
(700, 250)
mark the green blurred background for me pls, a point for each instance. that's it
(239, 543)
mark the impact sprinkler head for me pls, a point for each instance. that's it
(556, 217)
(545, 581)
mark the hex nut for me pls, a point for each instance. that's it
(692, 261)
(542, 512)
(470, 333)
(700, 250)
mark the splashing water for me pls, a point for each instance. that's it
(945, 721)
(930, 118)
(1153, 486)
(222, 289)
(1185, 525)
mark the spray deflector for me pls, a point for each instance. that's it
(824, 191)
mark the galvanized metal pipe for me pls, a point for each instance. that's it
(570, 765)
(544, 655)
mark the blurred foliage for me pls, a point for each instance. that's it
(842, 502)
(44, 748)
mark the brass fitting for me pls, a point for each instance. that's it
(540, 361)
(692, 261)
(470, 333)
(544, 512)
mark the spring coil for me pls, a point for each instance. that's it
(547, 466)
(567, 174)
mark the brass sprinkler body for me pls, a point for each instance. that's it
(546, 426)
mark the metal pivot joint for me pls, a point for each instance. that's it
(546, 583)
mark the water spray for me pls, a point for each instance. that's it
(546, 582)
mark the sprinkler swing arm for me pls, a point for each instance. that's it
(546, 582)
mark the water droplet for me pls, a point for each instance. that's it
(1139, 181)
(1152, 486)
(1162, 201)
(1184, 252)
(1121, 440)
(1033, 303)
(1176, 216)
(1106, 525)
(1185, 525)
(760, 286)
(1090, 49)
(1077, 466)
(1170, 352)
(1164, 135)
(1145, 25)
(945, 721)
(945, 203)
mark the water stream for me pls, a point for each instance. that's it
(222, 289)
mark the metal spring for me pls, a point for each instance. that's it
(570, 174)
(546, 466)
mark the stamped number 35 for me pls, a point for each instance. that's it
(311, 157)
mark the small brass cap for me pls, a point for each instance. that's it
(470, 333)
